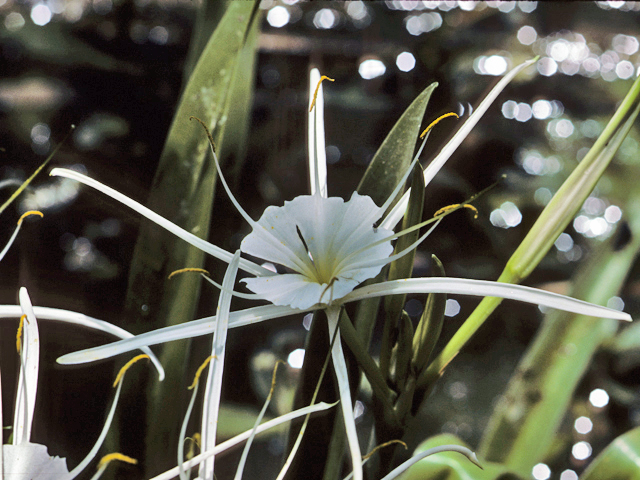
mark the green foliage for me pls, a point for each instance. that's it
(452, 465)
(619, 461)
(551, 222)
(394, 156)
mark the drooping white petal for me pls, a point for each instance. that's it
(419, 456)
(317, 149)
(484, 288)
(318, 407)
(436, 164)
(32, 461)
(288, 289)
(28, 379)
(195, 328)
(211, 402)
(188, 237)
(342, 376)
(74, 318)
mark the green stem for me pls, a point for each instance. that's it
(380, 388)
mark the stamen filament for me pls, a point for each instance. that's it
(188, 269)
(29, 213)
(455, 206)
(315, 94)
(437, 120)
(127, 365)
(436, 164)
(383, 445)
(246, 296)
(196, 377)
(19, 334)
(115, 456)
(274, 241)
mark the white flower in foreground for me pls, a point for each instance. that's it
(331, 246)
(23, 459)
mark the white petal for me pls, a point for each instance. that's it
(211, 402)
(317, 149)
(195, 328)
(334, 229)
(188, 237)
(483, 288)
(74, 318)
(436, 164)
(28, 379)
(32, 461)
(337, 235)
(288, 289)
(276, 240)
(342, 377)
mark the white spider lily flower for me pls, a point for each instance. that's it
(23, 458)
(331, 246)
(321, 240)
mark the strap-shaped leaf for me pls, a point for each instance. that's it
(394, 156)
(619, 461)
(219, 93)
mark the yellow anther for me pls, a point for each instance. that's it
(183, 270)
(115, 456)
(315, 94)
(30, 212)
(199, 372)
(455, 206)
(19, 335)
(386, 444)
(206, 129)
(273, 377)
(127, 365)
(196, 438)
(432, 124)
